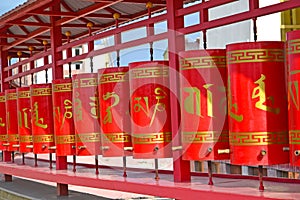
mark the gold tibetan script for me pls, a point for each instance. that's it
(233, 107)
(108, 116)
(23, 117)
(35, 115)
(77, 107)
(66, 115)
(94, 103)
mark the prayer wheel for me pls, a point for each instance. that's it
(3, 131)
(24, 118)
(42, 118)
(64, 130)
(204, 122)
(12, 120)
(257, 107)
(293, 60)
(86, 114)
(150, 109)
(114, 107)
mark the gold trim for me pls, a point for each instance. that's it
(113, 77)
(35, 92)
(294, 136)
(149, 72)
(25, 138)
(85, 82)
(63, 87)
(23, 94)
(293, 46)
(88, 137)
(258, 138)
(64, 139)
(205, 137)
(11, 96)
(12, 137)
(2, 99)
(203, 62)
(255, 55)
(152, 138)
(42, 138)
(3, 138)
(116, 137)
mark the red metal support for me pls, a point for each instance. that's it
(176, 44)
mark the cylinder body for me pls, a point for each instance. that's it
(3, 131)
(257, 105)
(12, 120)
(64, 130)
(150, 109)
(204, 105)
(86, 114)
(42, 118)
(114, 107)
(24, 118)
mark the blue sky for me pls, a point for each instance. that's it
(8, 5)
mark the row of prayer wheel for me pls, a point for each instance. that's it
(241, 104)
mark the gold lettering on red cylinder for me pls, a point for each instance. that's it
(66, 115)
(108, 116)
(77, 107)
(159, 106)
(1, 122)
(260, 93)
(293, 87)
(233, 106)
(35, 115)
(94, 103)
(23, 117)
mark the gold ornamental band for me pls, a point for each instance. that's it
(113, 77)
(64, 139)
(11, 96)
(23, 94)
(152, 138)
(258, 138)
(42, 138)
(85, 82)
(3, 138)
(64, 87)
(205, 137)
(255, 55)
(26, 138)
(13, 137)
(203, 62)
(294, 136)
(2, 99)
(88, 137)
(35, 92)
(149, 72)
(293, 46)
(116, 137)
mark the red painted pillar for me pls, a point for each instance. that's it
(176, 44)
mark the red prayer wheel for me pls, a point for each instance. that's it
(12, 120)
(24, 114)
(257, 106)
(204, 105)
(3, 131)
(150, 109)
(114, 107)
(64, 129)
(86, 114)
(42, 118)
(293, 60)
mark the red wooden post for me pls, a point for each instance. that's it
(176, 44)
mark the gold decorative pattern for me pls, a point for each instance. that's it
(152, 138)
(85, 82)
(203, 62)
(293, 46)
(149, 72)
(35, 92)
(258, 138)
(2, 99)
(64, 139)
(64, 87)
(3, 138)
(88, 137)
(13, 138)
(113, 77)
(23, 94)
(25, 138)
(11, 96)
(294, 136)
(42, 138)
(205, 137)
(255, 55)
(116, 137)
